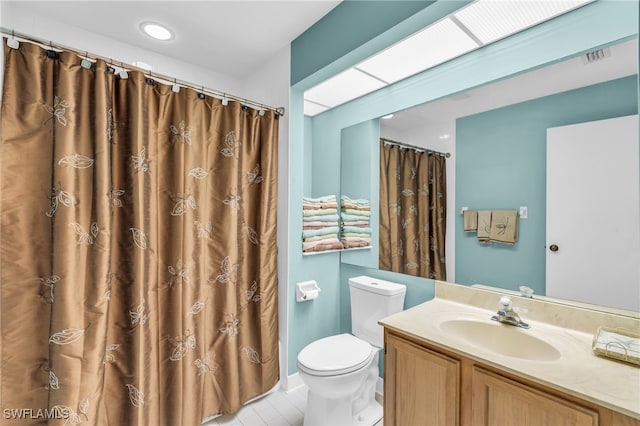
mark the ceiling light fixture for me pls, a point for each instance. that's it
(386, 117)
(156, 31)
(479, 23)
(490, 20)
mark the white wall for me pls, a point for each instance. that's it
(270, 84)
(12, 16)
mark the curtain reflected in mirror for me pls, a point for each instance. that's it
(413, 200)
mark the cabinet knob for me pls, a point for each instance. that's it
(553, 247)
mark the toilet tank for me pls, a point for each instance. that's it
(371, 300)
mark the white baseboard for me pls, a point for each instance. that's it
(294, 381)
(380, 386)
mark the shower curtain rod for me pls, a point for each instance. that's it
(417, 148)
(170, 80)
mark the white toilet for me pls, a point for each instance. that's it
(341, 371)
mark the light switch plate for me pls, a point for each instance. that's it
(524, 212)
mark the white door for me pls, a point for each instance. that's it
(593, 219)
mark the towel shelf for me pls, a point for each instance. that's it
(311, 253)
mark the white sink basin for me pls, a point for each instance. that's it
(500, 338)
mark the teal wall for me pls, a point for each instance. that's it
(501, 163)
(313, 59)
(359, 161)
(348, 26)
(540, 45)
(319, 318)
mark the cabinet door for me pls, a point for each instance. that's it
(497, 400)
(421, 387)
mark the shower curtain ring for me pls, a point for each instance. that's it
(85, 63)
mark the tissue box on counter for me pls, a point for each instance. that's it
(623, 345)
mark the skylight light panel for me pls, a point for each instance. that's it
(434, 45)
(311, 108)
(346, 86)
(491, 20)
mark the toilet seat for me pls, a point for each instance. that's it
(335, 355)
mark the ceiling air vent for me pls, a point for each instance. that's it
(596, 55)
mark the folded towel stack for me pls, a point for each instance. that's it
(355, 214)
(320, 224)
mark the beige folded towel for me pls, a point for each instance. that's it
(504, 226)
(484, 226)
(323, 245)
(470, 220)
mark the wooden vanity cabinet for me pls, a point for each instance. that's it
(497, 400)
(426, 385)
(420, 386)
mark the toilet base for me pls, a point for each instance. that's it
(361, 409)
(323, 411)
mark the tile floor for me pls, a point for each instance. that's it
(279, 408)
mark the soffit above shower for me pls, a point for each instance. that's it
(477, 24)
(231, 37)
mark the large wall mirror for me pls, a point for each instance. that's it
(497, 137)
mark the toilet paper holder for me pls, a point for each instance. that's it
(307, 290)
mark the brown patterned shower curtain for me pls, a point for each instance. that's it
(138, 247)
(413, 210)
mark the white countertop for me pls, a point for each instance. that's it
(577, 371)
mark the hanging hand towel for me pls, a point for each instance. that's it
(470, 220)
(484, 225)
(504, 226)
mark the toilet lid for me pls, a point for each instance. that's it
(335, 355)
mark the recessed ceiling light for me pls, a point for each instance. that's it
(157, 31)
(386, 117)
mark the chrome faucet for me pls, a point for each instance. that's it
(507, 315)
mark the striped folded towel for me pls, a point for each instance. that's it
(322, 218)
(357, 229)
(322, 231)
